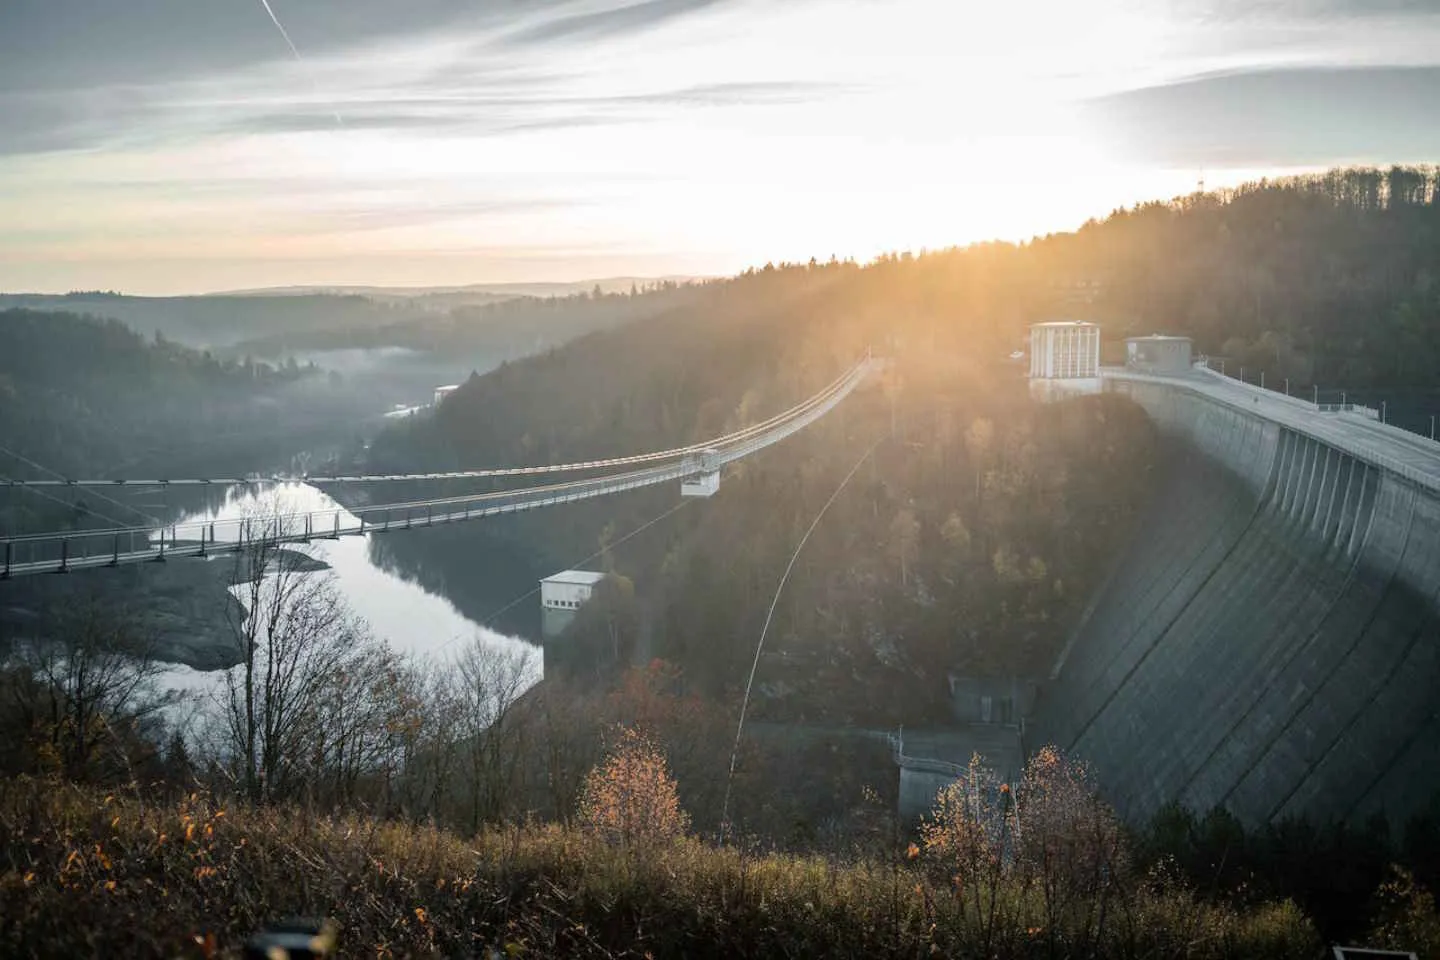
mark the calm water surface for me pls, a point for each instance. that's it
(411, 620)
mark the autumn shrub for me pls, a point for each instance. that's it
(1405, 916)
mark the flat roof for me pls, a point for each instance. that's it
(1064, 323)
(583, 577)
(448, 386)
(1157, 336)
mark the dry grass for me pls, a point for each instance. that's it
(88, 874)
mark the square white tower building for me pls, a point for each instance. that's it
(1064, 350)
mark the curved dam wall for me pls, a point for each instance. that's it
(1270, 642)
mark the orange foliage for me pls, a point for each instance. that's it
(631, 797)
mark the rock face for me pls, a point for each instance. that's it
(1270, 642)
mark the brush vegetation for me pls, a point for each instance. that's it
(88, 873)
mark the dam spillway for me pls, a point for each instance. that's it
(1270, 640)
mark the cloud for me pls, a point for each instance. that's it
(497, 114)
(1285, 117)
(609, 21)
(1321, 9)
(426, 85)
(454, 67)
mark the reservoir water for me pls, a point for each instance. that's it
(410, 619)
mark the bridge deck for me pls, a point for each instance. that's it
(1409, 455)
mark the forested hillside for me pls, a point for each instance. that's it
(983, 522)
(1331, 279)
(85, 395)
(978, 521)
(510, 327)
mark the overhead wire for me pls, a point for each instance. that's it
(769, 616)
(121, 527)
(56, 473)
(491, 618)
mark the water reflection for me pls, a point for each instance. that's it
(410, 619)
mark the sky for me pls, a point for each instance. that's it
(184, 146)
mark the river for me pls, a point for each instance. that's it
(413, 621)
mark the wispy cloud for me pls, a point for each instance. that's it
(476, 77)
(570, 26)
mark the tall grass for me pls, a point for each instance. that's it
(91, 874)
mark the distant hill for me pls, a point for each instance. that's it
(221, 321)
(505, 327)
(494, 291)
(324, 316)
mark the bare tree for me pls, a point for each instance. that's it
(365, 715)
(564, 720)
(426, 740)
(87, 691)
(293, 635)
(489, 681)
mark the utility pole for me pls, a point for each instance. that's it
(1316, 401)
(1262, 379)
(1287, 386)
(1432, 426)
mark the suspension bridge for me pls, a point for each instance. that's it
(696, 467)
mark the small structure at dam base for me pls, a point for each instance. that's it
(561, 595)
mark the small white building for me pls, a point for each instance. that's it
(442, 392)
(568, 589)
(1064, 350)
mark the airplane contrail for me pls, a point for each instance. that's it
(281, 27)
(290, 43)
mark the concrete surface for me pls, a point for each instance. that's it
(1270, 642)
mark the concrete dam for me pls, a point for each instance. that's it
(1270, 640)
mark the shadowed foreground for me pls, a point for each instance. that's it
(87, 873)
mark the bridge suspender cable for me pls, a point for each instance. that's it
(760, 646)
